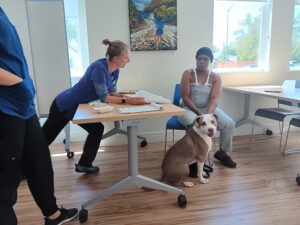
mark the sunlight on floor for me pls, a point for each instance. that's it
(75, 153)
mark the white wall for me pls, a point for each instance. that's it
(159, 71)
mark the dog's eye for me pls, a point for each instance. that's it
(203, 124)
(212, 121)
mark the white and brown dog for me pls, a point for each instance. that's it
(194, 146)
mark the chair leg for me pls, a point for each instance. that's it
(287, 136)
(173, 136)
(214, 139)
(280, 127)
(166, 135)
(281, 136)
(210, 159)
(251, 138)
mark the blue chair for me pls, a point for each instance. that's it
(173, 123)
(279, 113)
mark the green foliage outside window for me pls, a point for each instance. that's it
(295, 55)
(246, 44)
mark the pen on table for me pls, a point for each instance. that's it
(273, 91)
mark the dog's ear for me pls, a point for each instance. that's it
(216, 116)
(198, 120)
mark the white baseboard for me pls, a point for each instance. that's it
(78, 134)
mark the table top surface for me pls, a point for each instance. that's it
(87, 114)
(271, 91)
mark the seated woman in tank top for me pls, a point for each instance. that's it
(200, 90)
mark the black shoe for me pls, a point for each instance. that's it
(194, 170)
(86, 169)
(225, 159)
(65, 216)
(23, 177)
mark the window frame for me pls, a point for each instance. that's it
(290, 67)
(264, 43)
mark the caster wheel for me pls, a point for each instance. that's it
(83, 215)
(182, 201)
(269, 132)
(70, 155)
(144, 143)
(298, 179)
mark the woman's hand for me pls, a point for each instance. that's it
(199, 113)
(135, 101)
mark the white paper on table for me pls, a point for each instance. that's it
(144, 108)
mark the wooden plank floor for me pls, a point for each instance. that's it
(260, 191)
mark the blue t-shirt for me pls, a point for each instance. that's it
(84, 91)
(16, 100)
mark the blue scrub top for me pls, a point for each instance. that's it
(84, 91)
(16, 100)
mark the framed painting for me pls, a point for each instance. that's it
(153, 24)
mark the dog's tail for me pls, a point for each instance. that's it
(161, 180)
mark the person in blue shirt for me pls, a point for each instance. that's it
(22, 141)
(98, 82)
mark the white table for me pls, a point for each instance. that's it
(270, 91)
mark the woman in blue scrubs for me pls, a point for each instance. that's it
(22, 141)
(98, 83)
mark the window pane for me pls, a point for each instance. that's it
(240, 33)
(73, 39)
(294, 63)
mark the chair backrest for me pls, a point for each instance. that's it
(177, 95)
(291, 84)
(285, 102)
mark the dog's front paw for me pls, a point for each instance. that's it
(188, 184)
(203, 180)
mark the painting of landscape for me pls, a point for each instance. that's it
(153, 25)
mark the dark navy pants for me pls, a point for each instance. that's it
(23, 145)
(57, 121)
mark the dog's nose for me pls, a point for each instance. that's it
(211, 130)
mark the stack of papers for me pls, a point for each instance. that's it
(104, 109)
(97, 103)
(101, 107)
(143, 108)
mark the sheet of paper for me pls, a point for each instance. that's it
(143, 108)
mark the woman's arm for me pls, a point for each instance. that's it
(114, 97)
(116, 94)
(8, 78)
(215, 93)
(128, 100)
(185, 88)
